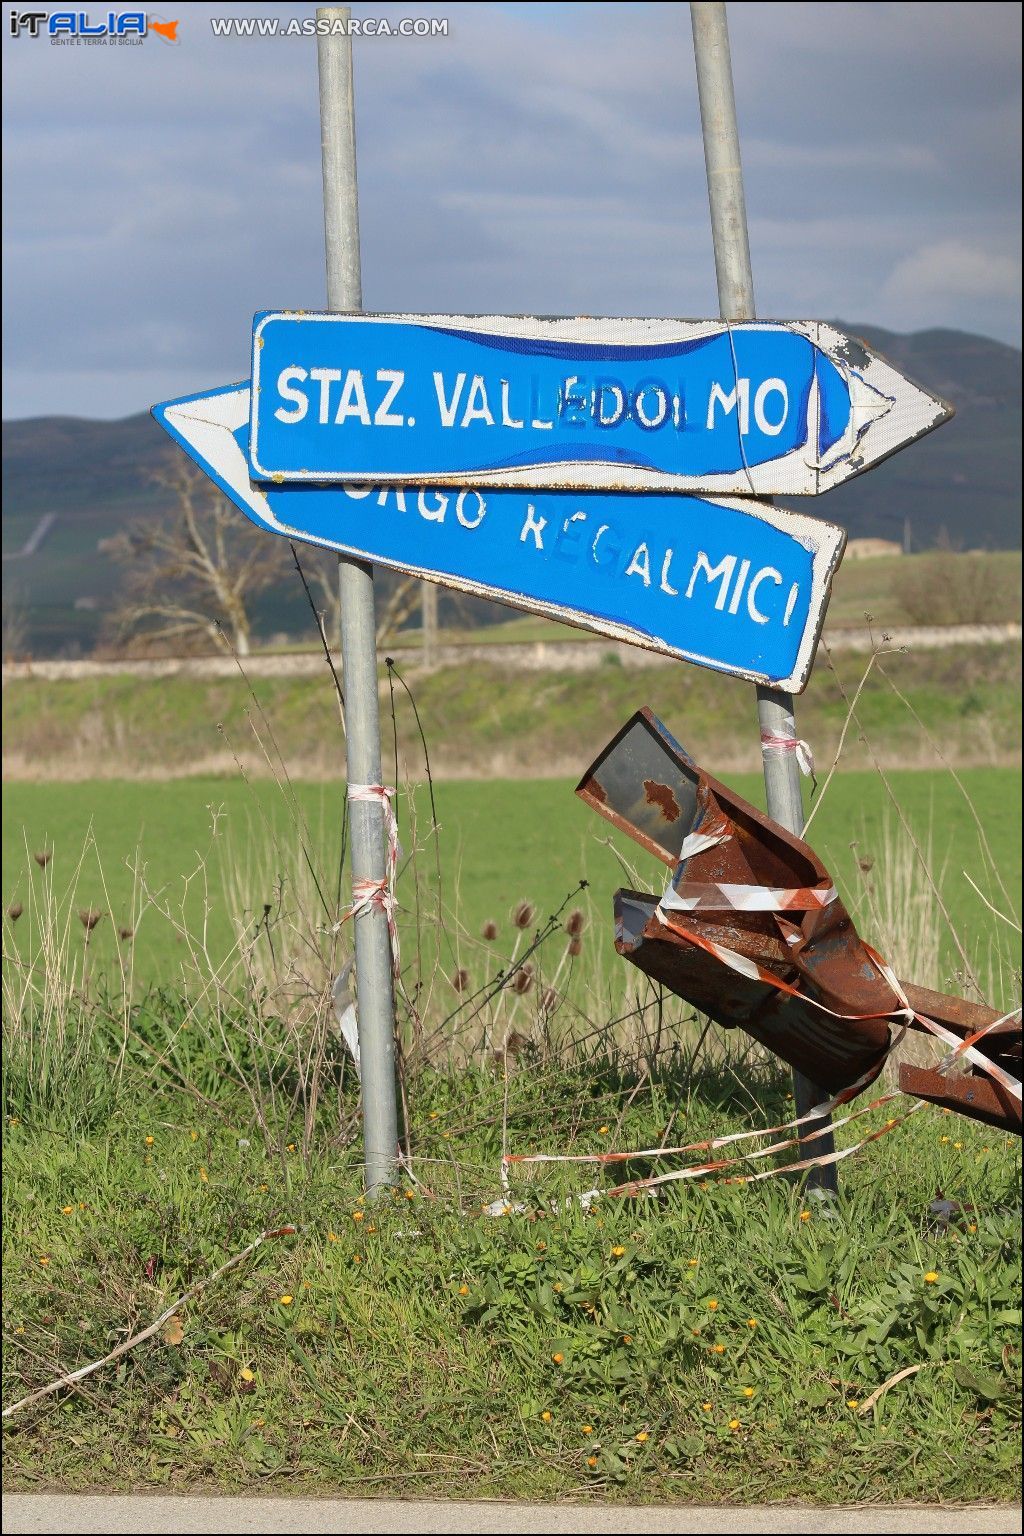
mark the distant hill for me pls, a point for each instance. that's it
(962, 482)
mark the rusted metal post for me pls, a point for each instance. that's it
(736, 302)
(368, 840)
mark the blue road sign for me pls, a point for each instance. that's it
(762, 408)
(734, 585)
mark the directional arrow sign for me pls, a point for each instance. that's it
(763, 408)
(733, 585)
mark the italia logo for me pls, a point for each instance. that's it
(113, 26)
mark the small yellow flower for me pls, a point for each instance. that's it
(588, 1429)
(943, 1140)
(557, 1285)
(410, 1194)
(734, 1425)
(642, 1436)
(433, 1114)
(20, 1328)
(749, 1391)
(558, 1358)
(627, 1338)
(371, 1228)
(358, 1215)
(931, 1277)
(463, 1290)
(150, 1140)
(258, 1423)
(591, 1461)
(67, 1210)
(546, 1416)
(286, 1301)
(957, 1146)
(718, 1349)
(332, 1237)
(246, 1374)
(706, 1407)
(972, 1226)
(805, 1215)
(540, 1247)
(264, 1188)
(693, 1263)
(204, 1177)
(751, 1322)
(291, 1146)
(357, 1258)
(602, 1130)
(853, 1402)
(44, 1260)
(712, 1305)
(194, 1135)
(618, 1251)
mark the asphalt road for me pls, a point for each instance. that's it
(43, 1514)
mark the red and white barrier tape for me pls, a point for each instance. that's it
(379, 895)
(709, 896)
(773, 742)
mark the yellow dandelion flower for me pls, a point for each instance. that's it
(546, 1416)
(540, 1247)
(371, 1228)
(749, 1391)
(602, 1130)
(957, 1146)
(557, 1285)
(943, 1140)
(357, 1258)
(433, 1114)
(558, 1358)
(751, 1322)
(734, 1425)
(44, 1260)
(150, 1140)
(693, 1263)
(591, 1461)
(805, 1215)
(463, 1290)
(706, 1407)
(204, 1177)
(931, 1277)
(67, 1210)
(246, 1374)
(853, 1402)
(410, 1194)
(332, 1237)
(358, 1215)
(587, 1429)
(972, 1226)
(286, 1301)
(718, 1349)
(618, 1251)
(712, 1305)
(194, 1135)
(627, 1338)
(642, 1436)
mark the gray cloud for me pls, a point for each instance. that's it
(542, 157)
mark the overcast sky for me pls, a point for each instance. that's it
(542, 158)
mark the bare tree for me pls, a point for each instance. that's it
(194, 571)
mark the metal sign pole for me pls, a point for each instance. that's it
(736, 301)
(374, 984)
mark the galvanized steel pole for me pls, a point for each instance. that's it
(374, 986)
(736, 302)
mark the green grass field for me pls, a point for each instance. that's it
(499, 843)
